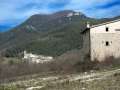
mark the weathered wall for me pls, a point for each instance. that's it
(86, 44)
(99, 37)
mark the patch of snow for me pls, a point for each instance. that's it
(30, 27)
(32, 88)
(77, 13)
(49, 78)
(83, 88)
(74, 14)
(33, 28)
(70, 14)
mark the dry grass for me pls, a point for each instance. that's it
(107, 80)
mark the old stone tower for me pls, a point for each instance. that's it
(102, 40)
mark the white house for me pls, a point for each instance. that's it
(102, 40)
(33, 58)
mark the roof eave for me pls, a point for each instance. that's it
(84, 31)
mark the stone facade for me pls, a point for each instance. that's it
(104, 40)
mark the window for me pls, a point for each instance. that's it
(117, 29)
(107, 29)
(107, 43)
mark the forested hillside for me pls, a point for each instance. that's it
(52, 34)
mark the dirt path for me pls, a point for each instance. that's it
(75, 77)
(94, 76)
(41, 82)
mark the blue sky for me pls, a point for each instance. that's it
(14, 12)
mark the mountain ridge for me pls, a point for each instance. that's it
(50, 34)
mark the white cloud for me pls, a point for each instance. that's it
(13, 11)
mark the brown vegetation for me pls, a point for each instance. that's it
(68, 64)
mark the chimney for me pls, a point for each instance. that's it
(88, 24)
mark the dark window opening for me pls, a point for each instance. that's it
(107, 29)
(107, 43)
(117, 29)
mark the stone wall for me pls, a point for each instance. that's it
(85, 51)
(105, 43)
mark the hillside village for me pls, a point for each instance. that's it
(59, 44)
(61, 51)
(34, 58)
(95, 38)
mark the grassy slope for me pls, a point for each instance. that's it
(51, 37)
(57, 40)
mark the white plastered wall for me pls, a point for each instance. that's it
(99, 37)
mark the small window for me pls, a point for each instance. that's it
(107, 29)
(117, 29)
(107, 43)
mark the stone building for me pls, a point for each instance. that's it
(102, 40)
(34, 58)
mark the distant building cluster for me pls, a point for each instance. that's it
(33, 58)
